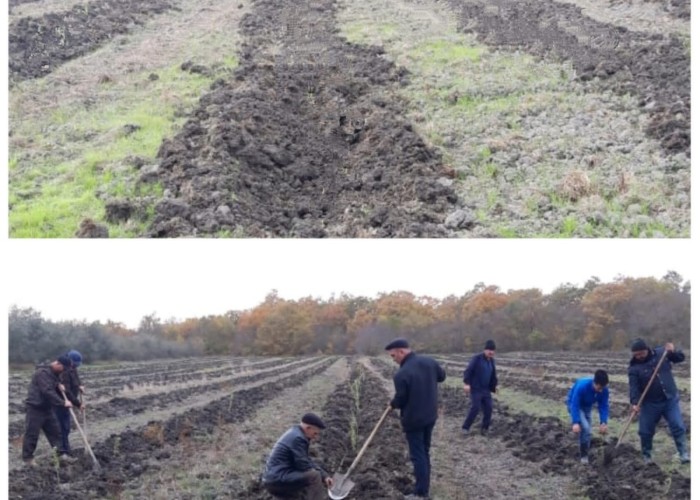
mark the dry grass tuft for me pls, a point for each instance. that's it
(154, 433)
(575, 185)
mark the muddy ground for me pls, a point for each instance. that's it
(655, 68)
(302, 147)
(547, 442)
(311, 136)
(384, 470)
(126, 455)
(524, 456)
(304, 141)
(127, 404)
(38, 45)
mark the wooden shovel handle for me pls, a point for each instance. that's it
(653, 376)
(367, 441)
(77, 424)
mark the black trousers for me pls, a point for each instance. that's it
(38, 420)
(308, 487)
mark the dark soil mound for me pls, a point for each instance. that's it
(37, 46)
(308, 142)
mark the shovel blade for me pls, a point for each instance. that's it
(341, 486)
(609, 452)
(608, 455)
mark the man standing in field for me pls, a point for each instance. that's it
(289, 470)
(586, 392)
(416, 396)
(43, 396)
(71, 382)
(480, 381)
(661, 400)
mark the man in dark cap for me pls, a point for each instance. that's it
(43, 396)
(586, 392)
(71, 382)
(479, 382)
(289, 471)
(661, 400)
(416, 396)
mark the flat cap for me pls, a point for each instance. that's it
(65, 361)
(313, 419)
(639, 345)
(397, 344)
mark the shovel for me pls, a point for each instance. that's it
(610, 450)
(77, 424)
(341, 483)
(82, 403)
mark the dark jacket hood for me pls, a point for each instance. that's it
(635, 361)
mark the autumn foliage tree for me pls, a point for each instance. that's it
(596, 316)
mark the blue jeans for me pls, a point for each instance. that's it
(584, 438)
(63, 417)
(480, 399)
(649, 417)
(419, 450)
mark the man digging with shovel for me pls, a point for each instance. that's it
(289, 471)
(662, 397)
(42, 398)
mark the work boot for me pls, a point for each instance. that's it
(67, 459)
(682, 448)
(583, 452)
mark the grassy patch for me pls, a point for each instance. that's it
(50, 196)
(439, 52)
(568, 227)
(507, 232)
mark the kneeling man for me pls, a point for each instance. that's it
(289, 471)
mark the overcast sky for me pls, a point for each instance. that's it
(125, 280)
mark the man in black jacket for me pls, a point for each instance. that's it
(480, 381)
(662, 399)
(289, 471)
(417, 397)
(43, 396)
(71, 382)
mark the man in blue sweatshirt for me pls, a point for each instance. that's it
(479, 382)
(586, 392)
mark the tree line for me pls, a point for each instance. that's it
(595, 316)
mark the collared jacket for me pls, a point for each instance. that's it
(71, 381)
(664, 386)
(582, 396)
(289, 458)
(480, 374)
(43, 390)
(416, 391)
